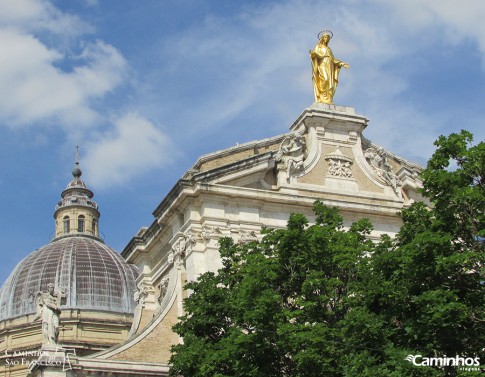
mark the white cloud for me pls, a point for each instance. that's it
(447, 20)
(48, 80)
(103, 70)
(52, 86)
(33, 88)
(133, 147)
(39, 15)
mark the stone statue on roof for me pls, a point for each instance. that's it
(47, 304)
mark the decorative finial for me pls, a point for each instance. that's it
(76, 172)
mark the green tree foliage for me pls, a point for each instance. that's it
(428, 283)
(277, 306)
(323, 300)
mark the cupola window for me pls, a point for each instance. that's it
(67, 227)
(80, 223)
(93, 226)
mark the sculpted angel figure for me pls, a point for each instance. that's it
(382, 167)
(292, 153)
(48, 310)
(325, 69)
(139, 294)
(163, 286)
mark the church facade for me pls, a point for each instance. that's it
(233, 193)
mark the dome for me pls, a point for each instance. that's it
(92, 275)
(95, 285)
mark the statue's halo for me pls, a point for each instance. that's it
(323, 32)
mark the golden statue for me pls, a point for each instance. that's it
(325, 69)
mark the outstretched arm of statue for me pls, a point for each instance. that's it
(340, 63)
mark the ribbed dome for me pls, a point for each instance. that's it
(93, 276)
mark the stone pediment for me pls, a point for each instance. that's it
(324, 152)
(246, 165)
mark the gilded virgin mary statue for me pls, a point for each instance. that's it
(325, 69)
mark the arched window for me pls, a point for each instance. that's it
(80, 223)
(93, 227)
(67, 222)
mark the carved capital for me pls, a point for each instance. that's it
(182, 245)
(207, 233)
(245, 237)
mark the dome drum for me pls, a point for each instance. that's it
(75, 221)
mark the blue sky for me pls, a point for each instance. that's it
(146, 87)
